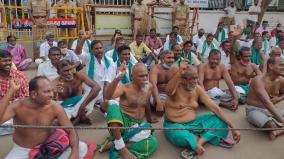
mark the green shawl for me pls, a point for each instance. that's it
(91, 70)
(204, 47)
(223, 35)
(255, 56)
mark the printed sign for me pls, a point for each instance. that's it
(197, 3)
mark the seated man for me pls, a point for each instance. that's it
(69, 89)
(181, 112)
(18, 52)
(49, 68)
(69, 54)
(242, 71)
(257, 55)
(142, 52)
(210, 75)
(124, 61)
(85, 48)
(188, 54)
(44, 48)
(179, 40)
(40, 109)
(6, 75)
(173, 40)
(205, 47)
(130, 112)
(265, 91)
(160, 75)
(112, 54)
(154, 42)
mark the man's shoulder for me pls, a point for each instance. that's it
(44, 64)
(17, 73)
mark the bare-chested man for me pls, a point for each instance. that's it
(210, 75)
(242, 71)
(181, 112)
(69, 89)
(160, 75)
(131, 110)
(40, 109)
(265, 91)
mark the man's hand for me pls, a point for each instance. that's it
(183, 66)
(153, 120)
(238, 31)
(122, 70)
(82, 112)
(236, 135)
(15, 85)
(88, 35)
(235, 104)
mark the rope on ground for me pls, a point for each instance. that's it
(140, 128)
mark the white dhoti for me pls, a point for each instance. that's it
(19, 152)
(217, 94)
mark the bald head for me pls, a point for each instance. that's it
(188, 72)
(189, 78)
(140, 75)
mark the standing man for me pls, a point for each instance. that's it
(39, 10)
(131, 110)
(6, 76)
(86, 11)
(254, 11)
(160, 75)
(139, 18)
(40, 109)
(265, 91)
(210, 75)
(242, 71)
(180, 16)
(229, 18)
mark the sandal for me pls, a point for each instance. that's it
(227, 143)
(187, 154)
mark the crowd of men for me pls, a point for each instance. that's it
(130, 82)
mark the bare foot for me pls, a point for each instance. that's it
(75, 121)
(126, 154)
(199, 150)
(274, 134)
(85, 120)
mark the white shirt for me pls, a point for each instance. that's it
(85, 49)
(44, 48)
(231, 11)
(207, 51)
(85, 46)
(132, 58)
(48, 70)
(225, 60)
(254, 8)
(196, 40)
(273, 41)
(167, 43)
(220, 35)
(71, 56)
(100, 71)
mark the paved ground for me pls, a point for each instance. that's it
(253, 145)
